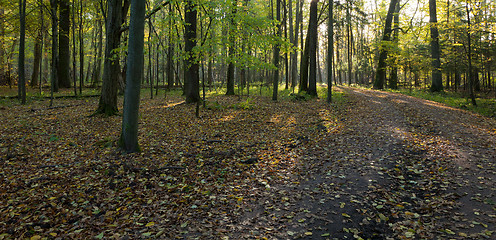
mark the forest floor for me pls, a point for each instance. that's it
(372, 165)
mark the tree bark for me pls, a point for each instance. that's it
(380, 75)
(53, 74)
(330, 50)
(111, 68)
(37, 60)
(64, 46)
(393, 82)
(191, 74)
(21, 84)
(231, 51)
(312, 49)
(437, 81)
(129, 135)
(275, 83)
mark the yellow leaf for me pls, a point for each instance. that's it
(149, 224)
(36, 237)
(53, 234)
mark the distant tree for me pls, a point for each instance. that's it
(129, 136)
(380, 76)
(437, 81)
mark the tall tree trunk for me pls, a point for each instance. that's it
(191, 77)
(437, 81)
(129, 135)
(170, 52)
(349, 45)
(231, 51)
(393, 82)
(64, 46)
(37, 60)
(330, 50)
(380, 75)
(21, 84)
(293, 38)
(111, 68)
(81, 47)
(312, 49)
(53, 74)
(470, 77)
(275, 84)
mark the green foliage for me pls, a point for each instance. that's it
(245, 105)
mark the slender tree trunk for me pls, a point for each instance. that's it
(74, 46)
(437, 81)
(191, 77)
(380, 76)
(276, 52)
(54, 67)
(393, 82)
(349, 44)
(330, 50)
(22, 42)
(470, 78)
(81, 48)
(129, 135)
(231, 51)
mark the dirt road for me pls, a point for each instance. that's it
(398, 168)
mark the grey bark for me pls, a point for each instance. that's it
(437, 81)
(129, 135)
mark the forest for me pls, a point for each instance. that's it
(247, 119)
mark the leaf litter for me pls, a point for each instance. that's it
(373, 166)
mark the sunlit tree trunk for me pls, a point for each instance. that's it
(129, 135)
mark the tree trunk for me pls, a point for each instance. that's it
(129, 135)
(312, 49)
(231, 51)
(37, 60)
(437, 81)
(380, 75)
(64, 46)
(470, 78)
(349, 44)
(330, 51)
(55, 57)
(191, 77)
(393, 82)
(275, 84)
(111, 68)
(21, 84)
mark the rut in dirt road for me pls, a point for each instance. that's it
(399, 168)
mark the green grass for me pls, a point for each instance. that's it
(485, 106)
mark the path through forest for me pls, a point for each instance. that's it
(401, 168)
